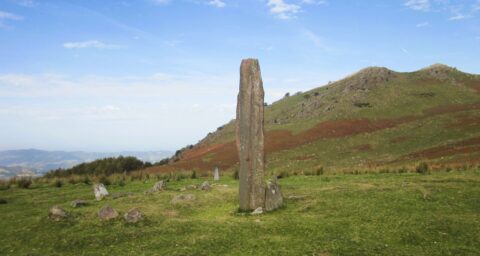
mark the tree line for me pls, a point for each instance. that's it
(105, 166)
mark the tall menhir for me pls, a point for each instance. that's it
(250, 136)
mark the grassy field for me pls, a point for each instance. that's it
(368, 214)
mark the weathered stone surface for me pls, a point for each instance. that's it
(107, 213)
(178, 199)
(79, 203)
(273, 196)
(159, 186)
(257, 211)
(205, 186)
(250, 136)
(100, 191)
(56, 213)
(133, 216)
(216, 174)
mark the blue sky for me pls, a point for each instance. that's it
(156, 74)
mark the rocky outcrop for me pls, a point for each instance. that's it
(250, 136)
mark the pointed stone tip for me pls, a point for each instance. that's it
(250, 61)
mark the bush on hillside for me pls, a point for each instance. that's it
(422, 168)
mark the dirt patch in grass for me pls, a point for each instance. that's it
(363, 147)
(463, 147)
(465, 122)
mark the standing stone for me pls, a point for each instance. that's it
(250, 136)
(100, 191)
(216, 174)
(273, 196)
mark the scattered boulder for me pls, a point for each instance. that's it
(100, 191)
(3, 201)
(79, 203)
(257, 211)
(159, 186)
(191, 187)
(183, 198)
(205, 186)
(56, 213)
(107, 213)
(133, 216)
(121, 194)
(273, 196)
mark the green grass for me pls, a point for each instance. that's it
(369, 214)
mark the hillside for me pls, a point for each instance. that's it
(375, 118)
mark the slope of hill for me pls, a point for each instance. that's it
(38, 162)
(375, 118)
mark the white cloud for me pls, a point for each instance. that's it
(217, 3)
(9, 16)
(16, 80)
(458, 16)
(283, 10)
(90, 44)
(423, 24)
(418, 5)
(25, 3)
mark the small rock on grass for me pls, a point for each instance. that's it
(205, 186)
(79, 203)
(133, 216)
(56, 213)
(107, 213)
(257, 211)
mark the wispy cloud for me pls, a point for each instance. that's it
(90, 44)
(25, 3)
(217, 3)
(418, 5)
(316, 39)
(282, 9)
(423, 24)
(4, 16)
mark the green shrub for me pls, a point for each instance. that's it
(58, 183)
(235, 174)
(319, 171)
(422, 168)
(194, 175)
(105, 180)
(4, 185)
(24, 183)
(86, 180)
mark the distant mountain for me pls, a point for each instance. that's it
(37, 162)
(376, 118)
